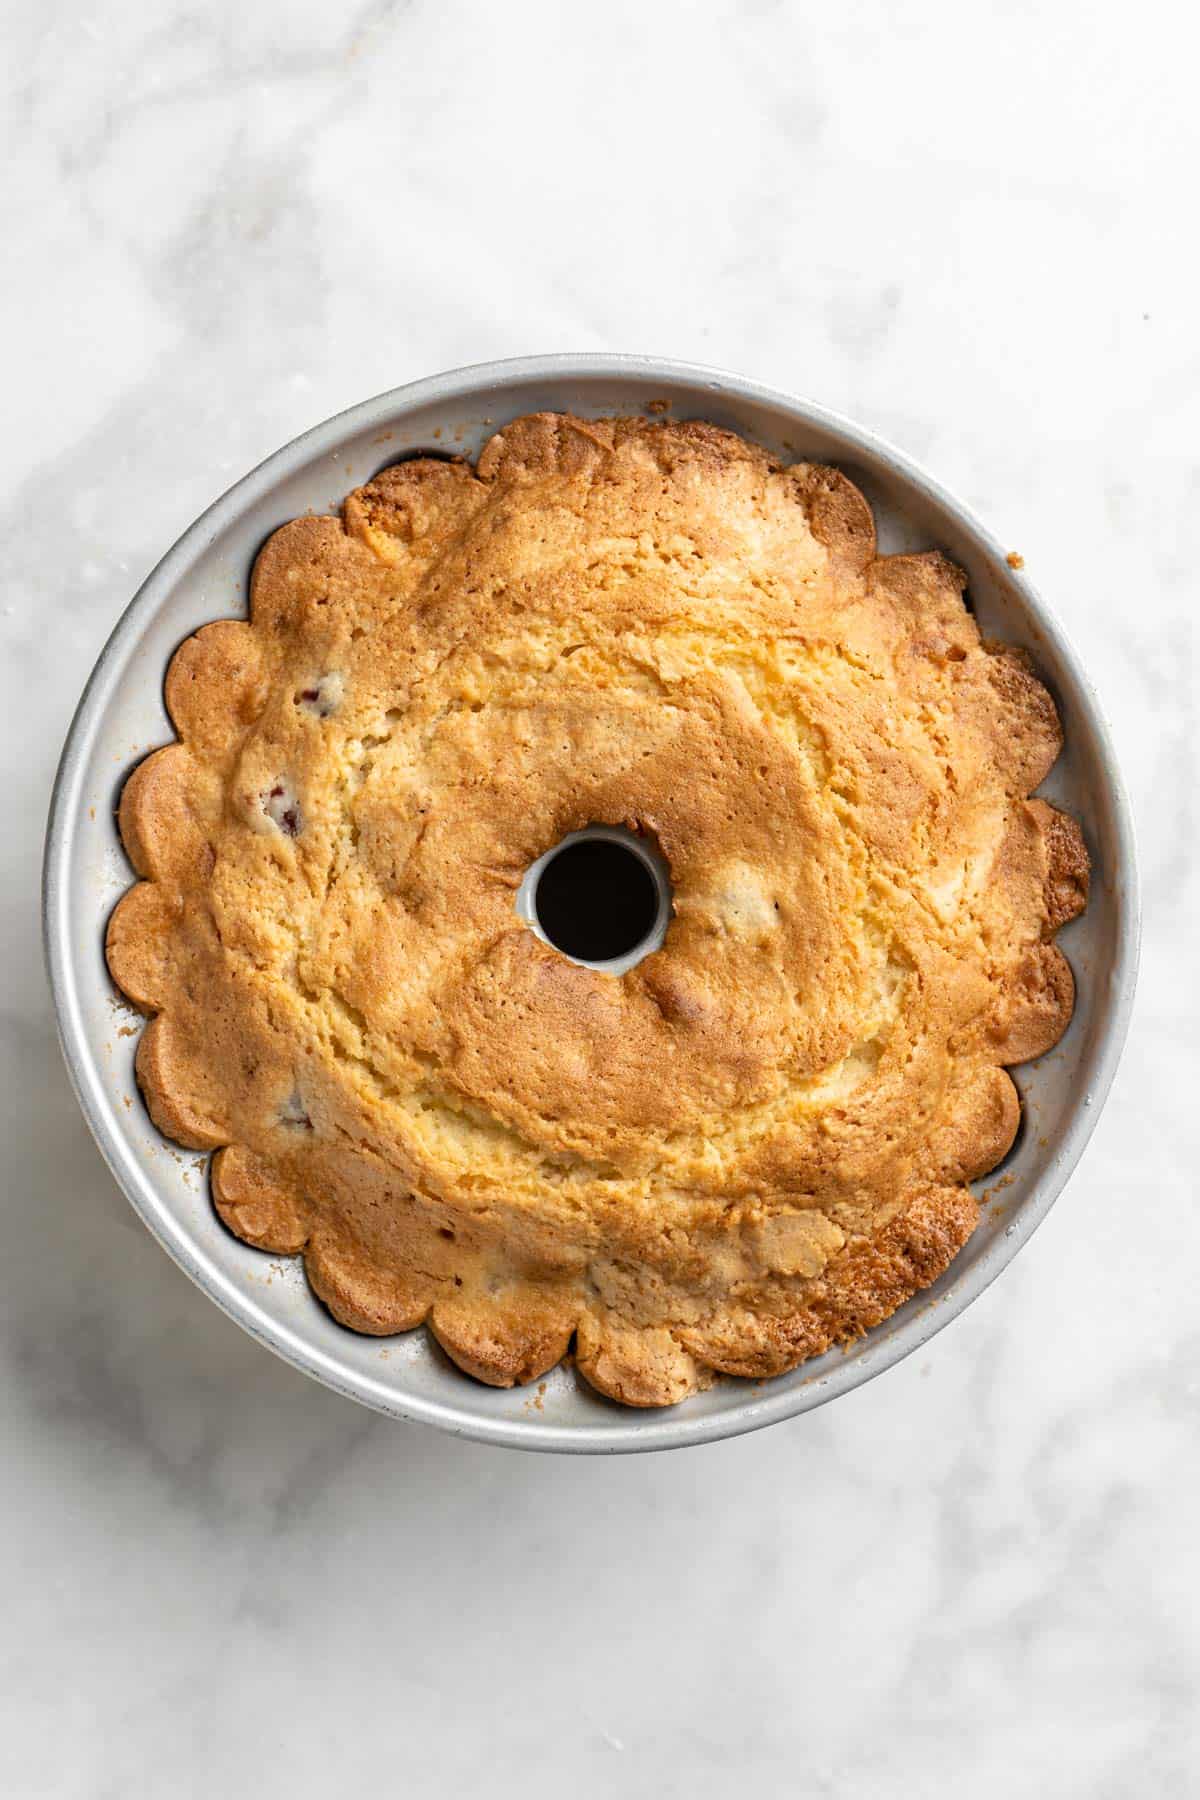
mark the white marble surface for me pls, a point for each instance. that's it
(971, 228)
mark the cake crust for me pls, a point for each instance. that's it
(757, 1142)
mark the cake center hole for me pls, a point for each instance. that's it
(595, 900)
(601, 897)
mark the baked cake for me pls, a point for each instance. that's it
(757, 1142)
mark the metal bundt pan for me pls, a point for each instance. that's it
(121, 717)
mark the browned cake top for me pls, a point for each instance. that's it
(754, 1143)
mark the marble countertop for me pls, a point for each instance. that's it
(969, 228)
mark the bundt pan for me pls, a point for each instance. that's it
(121, 717)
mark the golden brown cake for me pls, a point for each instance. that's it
(757, 1142)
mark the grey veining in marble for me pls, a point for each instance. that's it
(971, 228)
